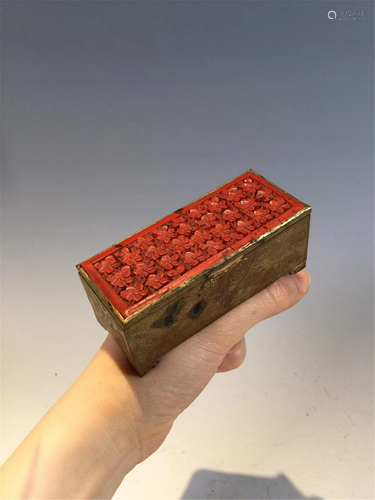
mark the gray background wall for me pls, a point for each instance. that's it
(116, 113)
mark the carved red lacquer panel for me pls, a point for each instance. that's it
(178, 247)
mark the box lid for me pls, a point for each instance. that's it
(141, 268)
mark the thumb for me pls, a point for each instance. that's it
(194, 362)
(221, 335)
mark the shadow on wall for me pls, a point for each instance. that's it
(207, 484)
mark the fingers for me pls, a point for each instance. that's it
(235, 357)
(184, 372)
(209, 347)
(221, 335)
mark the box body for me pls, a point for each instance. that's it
(158, 287)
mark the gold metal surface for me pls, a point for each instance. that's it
(150, 333)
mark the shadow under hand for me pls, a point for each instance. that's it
(207, 484)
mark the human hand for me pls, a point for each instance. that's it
(182, 374)
(111, 419)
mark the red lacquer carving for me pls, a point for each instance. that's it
(138, 267)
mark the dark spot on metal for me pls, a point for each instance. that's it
(170, 316)
(197, 309)
(168, 320)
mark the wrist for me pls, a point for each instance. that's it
(132, 423)
(84, 445)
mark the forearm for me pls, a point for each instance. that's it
(86, 443)
(111, 419)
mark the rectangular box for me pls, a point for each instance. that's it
(158, 287)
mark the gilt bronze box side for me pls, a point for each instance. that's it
(160, 286)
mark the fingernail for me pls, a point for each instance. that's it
(303, 280)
